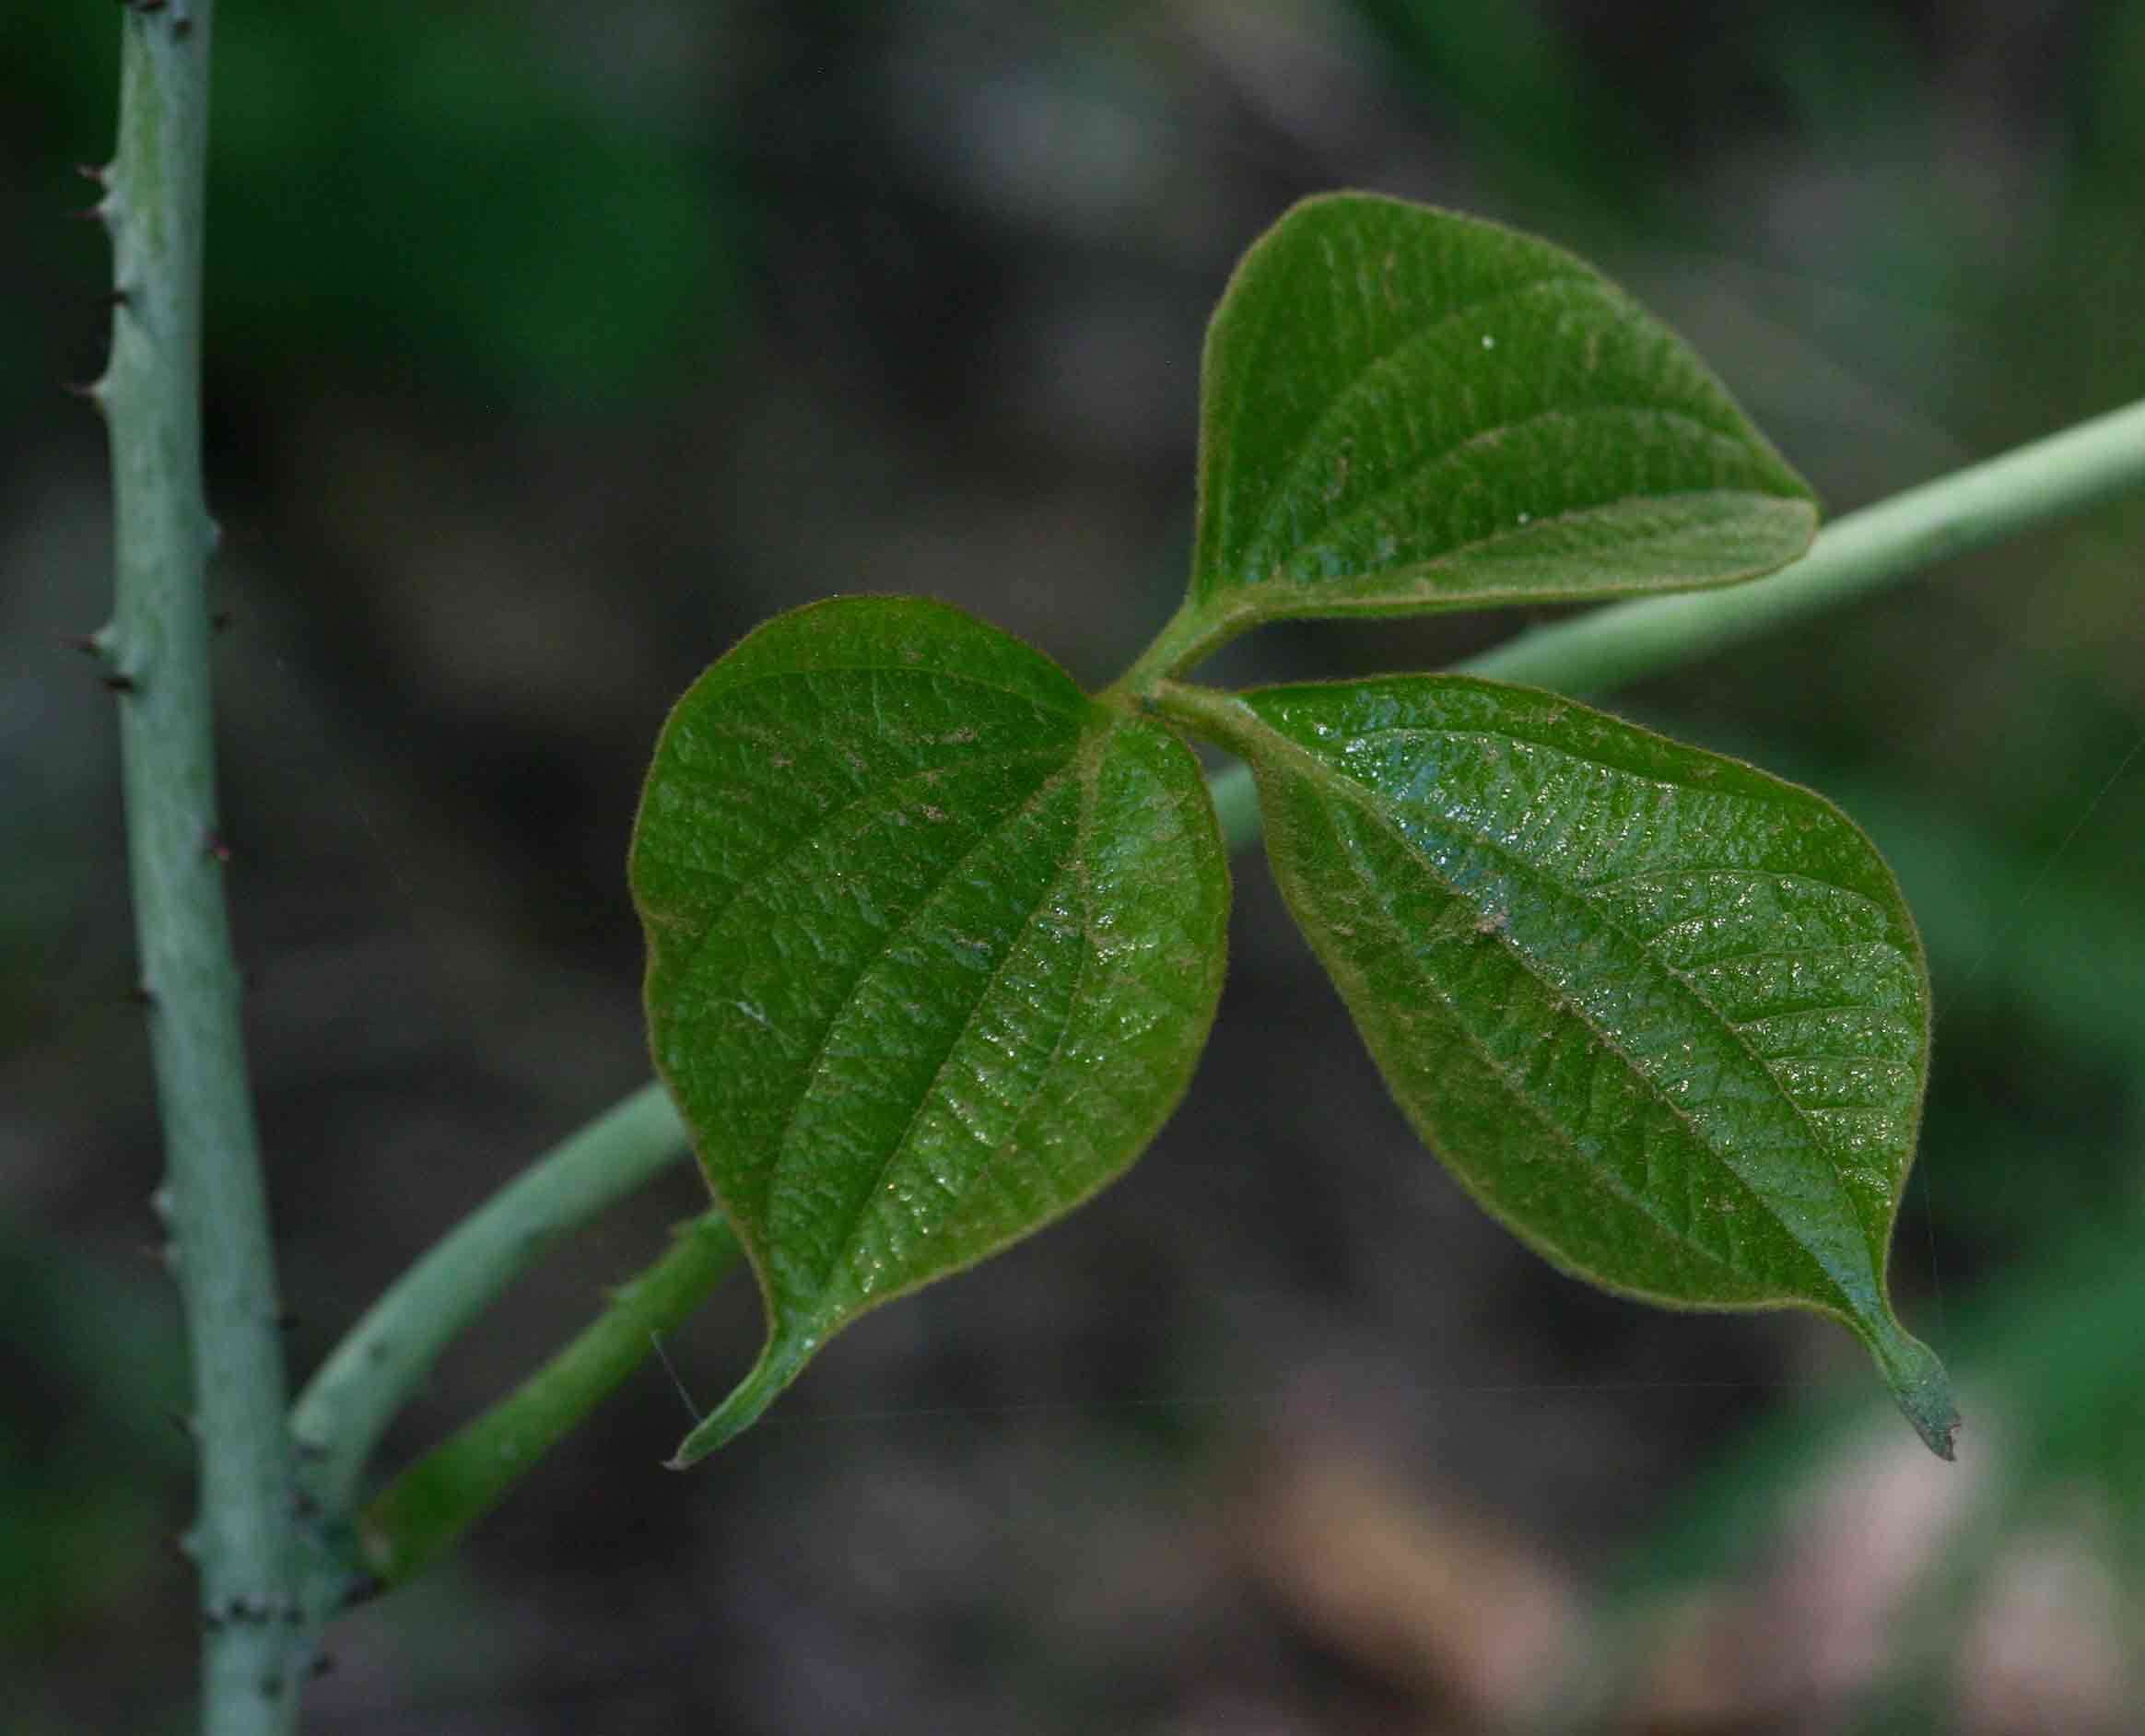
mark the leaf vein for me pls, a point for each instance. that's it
(1366, 802)
(1367, 377)
(856, 984)
(1423, 466)
(851, 1237)
(826, 821)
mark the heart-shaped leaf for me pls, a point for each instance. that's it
(1664, 1016)
(1404, 409)
(935, 941)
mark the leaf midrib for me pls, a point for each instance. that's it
(1367, 802)
(851, 1235)
(1090, 768)
(1527, 963)
(1424, 465)
(1759, 797)
(1367, 374)
(809, 1073)
(1545, 1117)
(872, 796)
(1721, 1022)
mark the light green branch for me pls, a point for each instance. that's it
(362, 1386)
(156, 654)
(1864, 552)
(426, 1510)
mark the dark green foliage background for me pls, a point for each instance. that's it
(553, 348)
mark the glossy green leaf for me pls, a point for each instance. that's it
(1662, 1014)
(934, 941)
(1405, 409)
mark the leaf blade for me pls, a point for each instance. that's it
(1404, 409)
(1664, 1016)
(900, 879)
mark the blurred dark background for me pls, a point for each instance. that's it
(553, 347)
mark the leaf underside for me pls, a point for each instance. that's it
(1405, 409)
(935, 941)
(1664, 1016)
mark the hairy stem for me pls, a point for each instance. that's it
(156, 651)
(426, 1510)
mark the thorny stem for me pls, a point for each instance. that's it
(155, 652)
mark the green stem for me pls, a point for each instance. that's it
(1864, 552)
(156, 650)
(1190, 637)
(426, 1510)
(365, 1381)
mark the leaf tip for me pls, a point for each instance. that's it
(781, 1363)
(1919, 1387)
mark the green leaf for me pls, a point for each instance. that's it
(1664, 1016)
(1406, 410)
(935, 941)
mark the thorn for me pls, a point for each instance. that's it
(113, 298)
(88, 644)
(188, 1544)
(163, 1203)
(99, 213)
(184, 1424)
(220, 621)
(217, 847)
(88, 391)
(142, 995)
(119, 683)
(96, 172)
